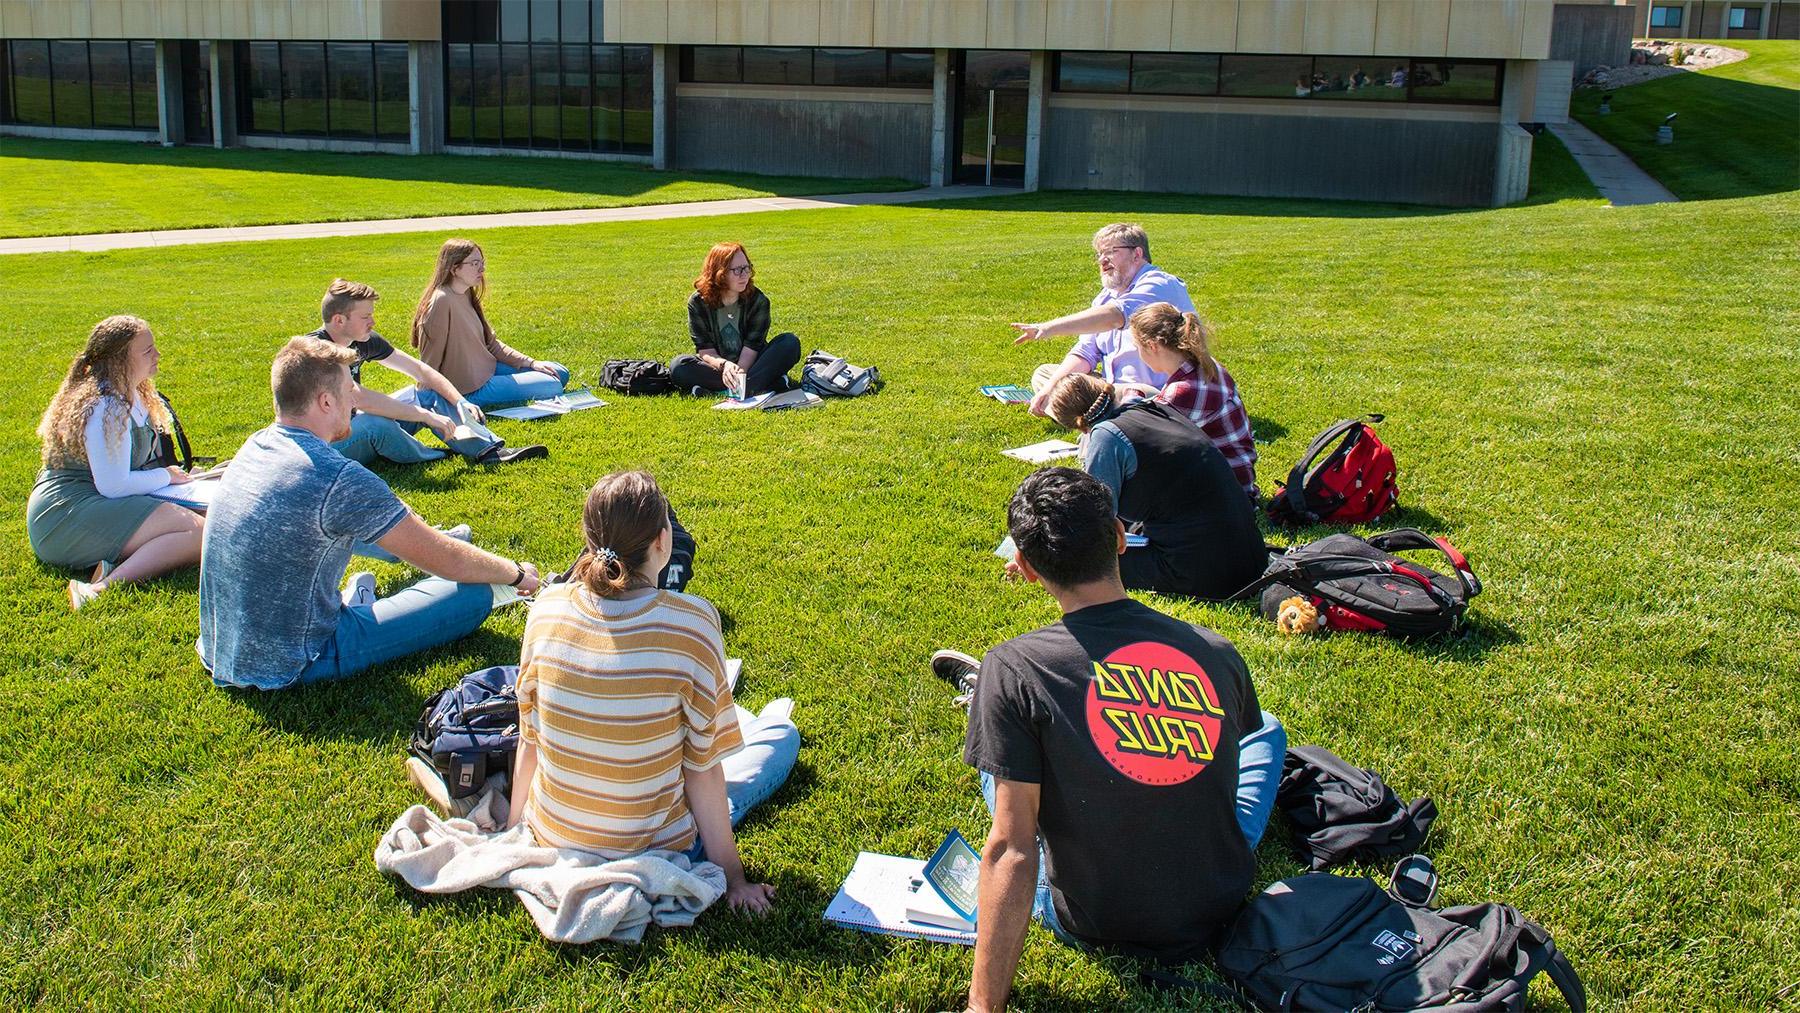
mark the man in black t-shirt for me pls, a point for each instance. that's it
(1129, 743)
(383, 426)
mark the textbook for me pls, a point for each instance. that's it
(1043, 453)
(562, 404)
(1008, 393)
(875, 896)
(197, 495)
(772, 402)
(951, 888)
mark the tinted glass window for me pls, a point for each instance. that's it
(777, 65)
(1093, 72)
(484, 91)
(609, 80)
(546, 20)
(515, 80)
(639, 129)
(69, 85)
(352, 88)
(31, 82)
(1455, 81)
(515, 20)
(546, 94)
(143, 85)
(576, 17)
(1345, 78)
(303, 88)
(714, 63)
(910, 68)
(393, 92)
(577, 99)
(458, 75)
(259, 106)
(110, 63)
(1265, 76)
(850, 68)
(1174, 73)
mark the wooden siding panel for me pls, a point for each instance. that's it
(1486, 28)
(1271, 26)
(694, 22)
(1540, 17)
(1204, 26)
(847, 23)
(948, 24)
(793, 22)
(1412, 27)
(234, 20)
(307, 20)
(744, 22)
(408, 20)
(1077, 24)
(637, 21)
(1141, 25)
(270, 21)
(1340, 26)
(1018, 24)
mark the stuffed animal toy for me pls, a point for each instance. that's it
(1299, 615)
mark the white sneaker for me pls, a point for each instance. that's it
(778, 710)
(360, 590)
(462, 532)
(431, 784)
(80, 593)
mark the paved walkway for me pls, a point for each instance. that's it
(443, 223)
(1618, 178)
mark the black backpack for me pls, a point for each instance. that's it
(1341, 813)
(1325, 942)
(827, 375)
(636, 376)
(470, 731)
(1359, 584)
(172, 450)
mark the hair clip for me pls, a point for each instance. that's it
(1098, 408)
(606, 555)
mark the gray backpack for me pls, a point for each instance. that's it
(1326, 942)
(827, 375)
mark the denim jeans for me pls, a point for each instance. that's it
(511, 385)
(432, 401)
(759, 767)
(432, 612)
(373, 437)
(1260, 757)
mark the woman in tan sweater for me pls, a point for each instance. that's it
(453, 337)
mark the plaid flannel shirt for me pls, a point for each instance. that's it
(1214, 406)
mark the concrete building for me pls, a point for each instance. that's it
(1716, 19)
(1392, 100)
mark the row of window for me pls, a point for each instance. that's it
(549, 97)
(106, 85)
(844, 68)
(348, 90)
(1313, 77)
(1742, 18)
(565, 21)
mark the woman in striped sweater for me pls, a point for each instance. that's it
(630, 739)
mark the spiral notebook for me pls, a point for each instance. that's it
(875, 896)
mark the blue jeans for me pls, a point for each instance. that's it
(434, 611)
(1260, 757)
(511, 385)
(432, 401)
(759, 767)
(372, 437)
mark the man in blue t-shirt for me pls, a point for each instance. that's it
(279, 535)
(1129, 743)
(1128, 283)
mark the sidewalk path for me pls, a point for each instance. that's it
(1618, 178)
(458, 223)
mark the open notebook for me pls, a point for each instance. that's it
(876, 895)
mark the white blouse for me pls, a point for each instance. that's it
(110, 460)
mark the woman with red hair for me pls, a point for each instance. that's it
(728, 318)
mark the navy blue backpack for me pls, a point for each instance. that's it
(470, 731)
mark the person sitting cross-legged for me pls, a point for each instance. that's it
(1127, 763)
(451, 332)
(728, 320)
(280, 533)
(383, 426)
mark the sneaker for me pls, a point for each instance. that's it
(462, 532)
(699, 392)
(500, 454)
(360, 590)
(959, 670)
(430, 784)
(80, 593)
(778, 710)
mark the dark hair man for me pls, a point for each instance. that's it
(1128, 742)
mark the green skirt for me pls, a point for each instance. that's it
(71, 525)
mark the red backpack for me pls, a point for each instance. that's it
(1353, 483)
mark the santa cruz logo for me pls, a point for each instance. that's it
(1153, 713)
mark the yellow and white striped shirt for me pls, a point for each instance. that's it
(620, 695)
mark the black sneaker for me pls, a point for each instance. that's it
(959, 670)
(500, 453)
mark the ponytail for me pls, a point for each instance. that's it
(1196, 341)
(624, 515)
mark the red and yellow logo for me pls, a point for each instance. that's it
(1153, 713)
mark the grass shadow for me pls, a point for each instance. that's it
(1266, 430)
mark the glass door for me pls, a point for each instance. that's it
(991, 88)
(196, 92)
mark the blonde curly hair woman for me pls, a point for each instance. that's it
(91, 506)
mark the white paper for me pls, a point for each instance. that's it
(193, 495)
(875, 895)
(733, 404)
(734, 667)
(1043, 453)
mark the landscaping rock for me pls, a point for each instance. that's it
(1650, 59)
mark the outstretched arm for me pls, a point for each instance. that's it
(1088, 321)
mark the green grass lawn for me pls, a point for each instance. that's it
(67, 187)
(1576, 394)
(1738, 129)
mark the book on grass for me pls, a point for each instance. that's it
(772, 402)
(543, 408)
(732, 404)
(1043, 453)
(193, 495)
(952, 876)
(734, 669)
(875, 896)
(1008, 393)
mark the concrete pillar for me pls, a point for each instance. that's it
(1512, 152)
(664, 69)
(224, 94)
(170, 119)
(1036, 112)
(425, 97)
(940, 118)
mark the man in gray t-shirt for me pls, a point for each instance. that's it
(279, 536)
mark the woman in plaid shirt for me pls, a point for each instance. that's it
(1170, 341)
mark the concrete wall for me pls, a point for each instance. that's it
(1191, 146)
(850, 132)
(1591, 35)
(1494, 29)
(340, 20)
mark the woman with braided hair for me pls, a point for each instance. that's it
(1169, 484)
(630, 740)
(91, 506)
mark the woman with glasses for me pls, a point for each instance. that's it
(453, 337)
(92, 506)
(728, 319)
